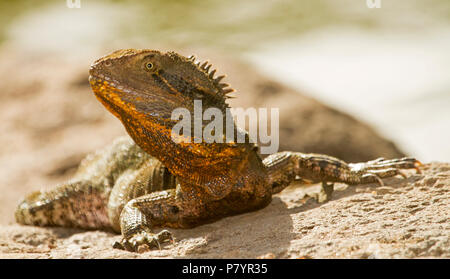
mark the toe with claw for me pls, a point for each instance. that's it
(375, 170)
(144, 241)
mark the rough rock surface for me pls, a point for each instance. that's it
(403, 219)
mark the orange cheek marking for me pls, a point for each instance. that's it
(112, 94)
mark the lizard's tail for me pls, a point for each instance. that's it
(77, 204)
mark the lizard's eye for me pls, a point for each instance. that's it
(149, 65)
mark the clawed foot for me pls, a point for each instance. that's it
(370, 172)
(374, 171)
(144, 241)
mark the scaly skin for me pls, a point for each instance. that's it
(134, 186)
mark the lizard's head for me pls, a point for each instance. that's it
(154, 83)
(143, 87)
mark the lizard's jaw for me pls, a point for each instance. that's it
(94, 71)
(95, 77)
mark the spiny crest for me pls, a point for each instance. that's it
(206, 68)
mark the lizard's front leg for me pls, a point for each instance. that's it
(285, 167)
(142, 214)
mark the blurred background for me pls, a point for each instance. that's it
(387, 68)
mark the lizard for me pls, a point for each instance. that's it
(147, 180)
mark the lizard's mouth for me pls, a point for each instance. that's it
(104, 85)
(97, 78)
(94, 76)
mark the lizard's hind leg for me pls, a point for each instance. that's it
(83, 201)
(151, 177)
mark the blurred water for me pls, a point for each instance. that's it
(398, 82)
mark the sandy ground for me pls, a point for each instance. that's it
(51, 120)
